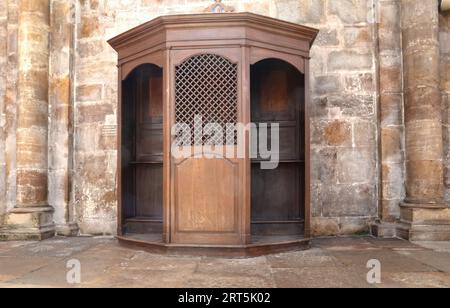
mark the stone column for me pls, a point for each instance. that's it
(32, 216)
(424, 216)
(61, 114)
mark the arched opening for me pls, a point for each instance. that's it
(142, 152)
(278, 195)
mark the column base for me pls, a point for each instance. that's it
(418, 222)
(424, 222)
(383, 229)
(28, 224)
(67, 230)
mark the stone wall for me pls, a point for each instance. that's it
(9, 18)
(3, 64)
(344, 128)
(444, 38)
(355, 63)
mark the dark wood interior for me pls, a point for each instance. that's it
(142, 151)
(278, 96)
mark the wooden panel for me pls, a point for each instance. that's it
(128, 118)
(259, 54)
(289, 143)
(277, 193)
(274, 92)
(207, 202)
(149, 191)
(155, 97)
(149, 126)
(142, 179)
(206, 196)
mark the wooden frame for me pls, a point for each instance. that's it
(244, 39)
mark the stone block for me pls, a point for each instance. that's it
(87, 93)
(90, 26)
(391, 144)
(358, 37)
(349, 11)
(305, 11)
(94, 113)
(364, 134)
(90, 48)
(391, 109)
(349, 200)
(324, 164)
(333, 133)
(327, 37)
(362, 82)
(362, 106)
(327, 84)
(391, 79)
(350, 162)
(350, 60)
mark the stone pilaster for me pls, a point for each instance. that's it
(32, 216)
(391, 124)
(61, 115)
(424, 215)
(3, 69)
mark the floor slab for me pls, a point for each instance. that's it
(331, 262)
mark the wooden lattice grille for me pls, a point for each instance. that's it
(207, 85)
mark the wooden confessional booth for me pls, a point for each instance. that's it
(229, 68)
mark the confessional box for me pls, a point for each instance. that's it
(228, 69)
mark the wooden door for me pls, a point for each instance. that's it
(207, 200)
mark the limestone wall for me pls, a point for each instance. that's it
(347, 63)
(9, 15)
(444, 39)
(3, 64)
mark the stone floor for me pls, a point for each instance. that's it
(332, 262)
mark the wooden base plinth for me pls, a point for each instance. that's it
(263, 245)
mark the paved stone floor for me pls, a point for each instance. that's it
(331, 262)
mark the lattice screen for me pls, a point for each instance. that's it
(207, 85)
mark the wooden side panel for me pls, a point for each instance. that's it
(149, 191)
(278, 196)
(149, 130)
(276, 193)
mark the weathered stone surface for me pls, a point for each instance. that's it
(327, 84)
(305, 11)
(349, 166)
(327, 37)
(349, 11)
(89, 93)
(363, 82)
(348, 200)
(82, 87)
(349, 60)
(358, 37)
(332, 262)
(334, 133)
